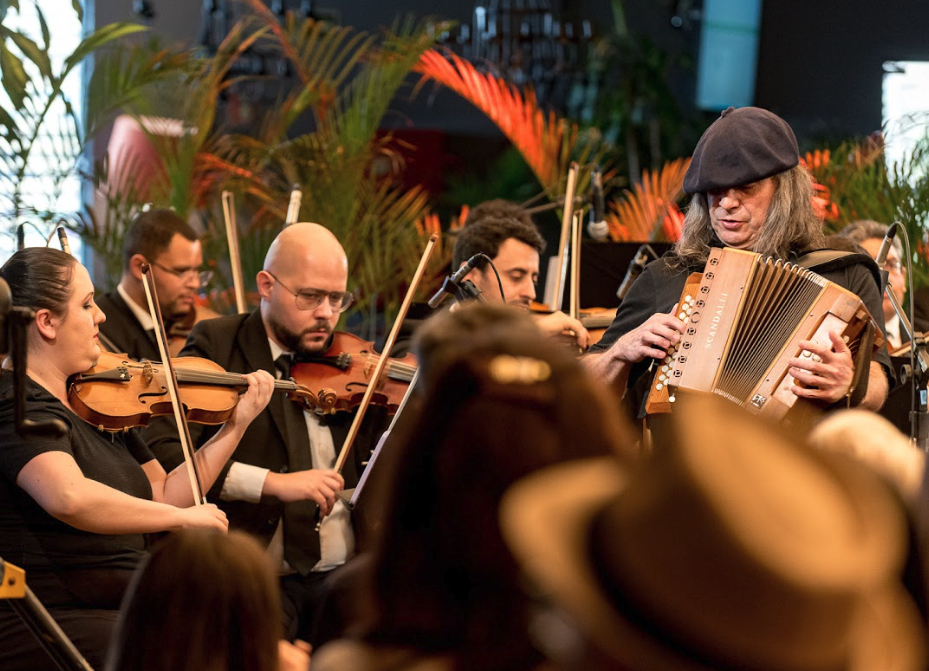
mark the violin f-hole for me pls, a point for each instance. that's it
(156, 394)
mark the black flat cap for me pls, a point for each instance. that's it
(742, 146)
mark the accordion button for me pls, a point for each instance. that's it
(659, 386)
(817, 358)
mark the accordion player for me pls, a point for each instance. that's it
(744, 318)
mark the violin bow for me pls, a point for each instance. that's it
(574, 295)
(385, 354)
(567, 216)
(63, 240)
(196, 485)
(293, 207)
(235, 260)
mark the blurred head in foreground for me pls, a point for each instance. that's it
(499, 401)
(733, 547)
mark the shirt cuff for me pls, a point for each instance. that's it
(243, 482)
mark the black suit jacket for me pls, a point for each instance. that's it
(124, 331)
(239, 343)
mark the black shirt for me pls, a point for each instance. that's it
(55, 555)
(660, 285)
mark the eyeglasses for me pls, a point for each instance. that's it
(202, 276)
(893, 266)
(310, 299)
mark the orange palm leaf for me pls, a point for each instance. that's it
(544, 140)
(817, 162)
(649, 210)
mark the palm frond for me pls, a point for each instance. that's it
(98, 39)
(323, 56)
(41, 122)
(123, 79)
(545, 140)
(383, 257)
(649, 210)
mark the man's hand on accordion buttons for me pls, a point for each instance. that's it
(651, 339)
(823, 371)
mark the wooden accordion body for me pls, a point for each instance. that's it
(745, 316)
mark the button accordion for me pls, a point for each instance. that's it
(745, 315)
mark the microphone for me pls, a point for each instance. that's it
(450, 285)
(636, 266)
(882, 253)
(20, 237)
(597, 228)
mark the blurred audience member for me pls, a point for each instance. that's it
(874, 441)
(204, 601)
(733, 547)
(498, 402)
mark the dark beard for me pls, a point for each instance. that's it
(293, 341)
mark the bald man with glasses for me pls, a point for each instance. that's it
(282, 470)
(162, 239)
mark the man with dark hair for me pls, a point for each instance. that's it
(506, 234)
(172, 248)
(750, 193)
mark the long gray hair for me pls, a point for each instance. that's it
(791, 224)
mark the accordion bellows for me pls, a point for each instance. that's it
(745, 316)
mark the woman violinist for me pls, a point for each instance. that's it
(74, 509)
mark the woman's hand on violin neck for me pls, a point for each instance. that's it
(254, 400)
(207, 516)
(317, 485)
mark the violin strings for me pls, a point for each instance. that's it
(394, 366)
(196, 376)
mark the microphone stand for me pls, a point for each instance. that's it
(918, 371)
(460, 291)
(38, 621)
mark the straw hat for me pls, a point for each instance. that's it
(732, 548)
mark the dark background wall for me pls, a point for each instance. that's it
(819, 64)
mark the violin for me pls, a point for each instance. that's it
(119, 393)
(343, 372)
(596, 321)
(180, 329)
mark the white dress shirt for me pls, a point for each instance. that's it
(244, 482)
